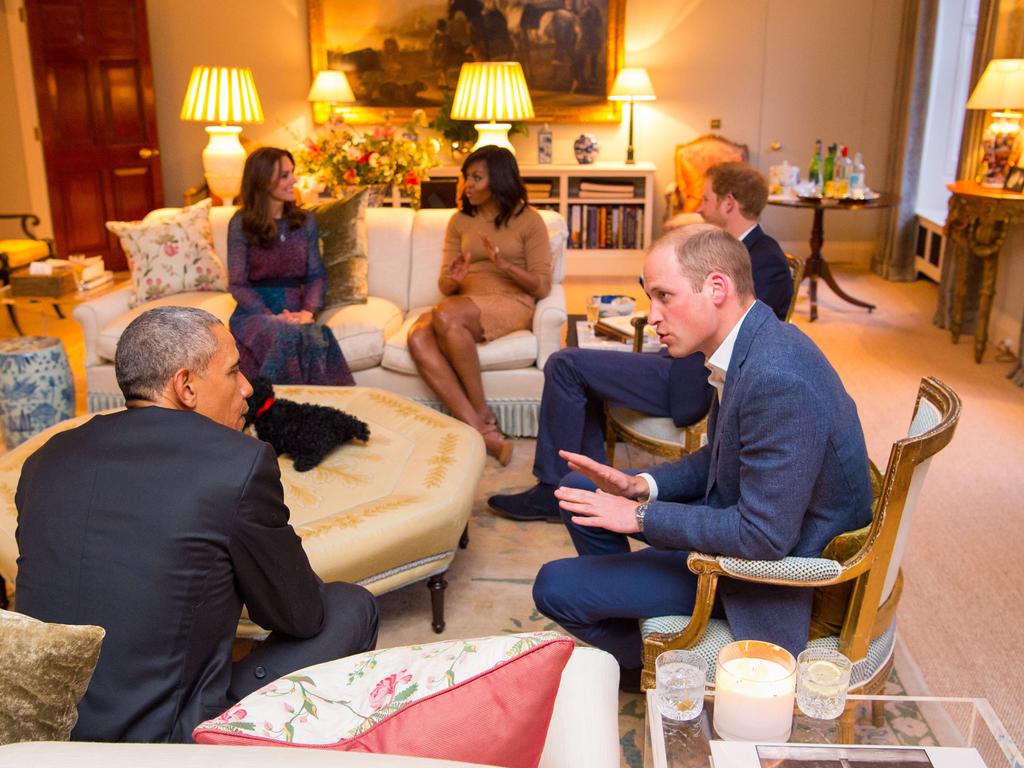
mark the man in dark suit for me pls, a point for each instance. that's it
(158, 523)
(577, 382)
(784, 472)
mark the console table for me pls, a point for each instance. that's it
(979, 219)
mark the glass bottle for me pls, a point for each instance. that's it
(857, 185)
(814, 171)
(843, 169)
(829, 171)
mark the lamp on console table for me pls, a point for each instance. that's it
(492, 91)
(222, 95)
(1000, 87)
(329, 91)
(632, 84)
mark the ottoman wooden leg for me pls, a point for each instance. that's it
(464, 539)
(437, 585)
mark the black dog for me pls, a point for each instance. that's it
(306, 432)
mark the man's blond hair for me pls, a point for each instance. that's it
(701, 249)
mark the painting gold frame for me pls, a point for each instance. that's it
(557, 110)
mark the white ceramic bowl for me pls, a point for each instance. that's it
(617, 305)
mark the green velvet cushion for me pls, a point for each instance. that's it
(342, 225)
(44, 672)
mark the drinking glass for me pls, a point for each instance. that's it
(823, 677)
(681, 676)
(593, 311)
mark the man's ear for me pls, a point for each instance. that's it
(721, 287)
(183, 388)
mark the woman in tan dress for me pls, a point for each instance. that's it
(497, 263)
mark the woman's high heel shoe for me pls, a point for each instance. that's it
(497, 445)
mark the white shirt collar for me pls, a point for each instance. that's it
(743, 237)
(718, 363)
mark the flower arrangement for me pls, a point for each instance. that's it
(343, 156)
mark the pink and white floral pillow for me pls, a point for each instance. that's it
(171, 251)
(486, 700)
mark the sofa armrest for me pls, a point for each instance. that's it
(95, 314)
(584, 726)
(548, 319)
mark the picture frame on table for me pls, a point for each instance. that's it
(1014, 179)
(400, 55)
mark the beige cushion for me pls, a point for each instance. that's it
(361, 330)
(171, 252)
(389, 238)
(44, 672)
(656, 427)
(342, 226)
(21, 252)
(217, 303)
(516, 350)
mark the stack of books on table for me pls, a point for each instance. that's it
(606, 190)
(96, 281)
(538, 189)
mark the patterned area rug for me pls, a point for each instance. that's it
(490, 583)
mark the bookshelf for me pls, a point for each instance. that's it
(609, 208)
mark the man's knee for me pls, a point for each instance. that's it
(561, 365)
(351, 610)
(553, 587)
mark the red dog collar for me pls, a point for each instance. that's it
(265, 407)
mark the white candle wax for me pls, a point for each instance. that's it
(754, 700)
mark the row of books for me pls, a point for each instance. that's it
(606, 226)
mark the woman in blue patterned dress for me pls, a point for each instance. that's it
(277, 277)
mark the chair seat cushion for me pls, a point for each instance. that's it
(487, 700)
(361, 330)
(660, 428)
(516, 350)
(217, 303)
(21, 252)
(718, 635)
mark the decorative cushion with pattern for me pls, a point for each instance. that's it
(171, 253)
(487, 700)
(343, 248)
(44, 672)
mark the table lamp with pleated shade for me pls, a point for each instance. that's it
(1001, 88)
(632, 84)
(329, 92)
(493, 92)
(222, 95)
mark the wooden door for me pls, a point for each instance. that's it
(94, 89)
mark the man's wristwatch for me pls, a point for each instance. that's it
(641, 512)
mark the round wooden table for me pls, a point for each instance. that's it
(816, 266)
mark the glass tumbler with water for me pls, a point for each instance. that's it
(681, 676)
(823, 677)
(593, 311)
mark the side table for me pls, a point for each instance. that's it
(979, 219)
(68, 301)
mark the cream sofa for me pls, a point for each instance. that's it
(405, 250)
(584, 731)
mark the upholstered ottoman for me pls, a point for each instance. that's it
(382, 514)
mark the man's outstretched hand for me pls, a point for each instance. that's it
(608, 479)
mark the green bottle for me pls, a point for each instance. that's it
(830, 165)
(814, 172)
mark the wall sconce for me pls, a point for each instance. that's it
(222, 95)
(492, 91)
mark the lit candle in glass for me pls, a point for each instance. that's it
(755, 685)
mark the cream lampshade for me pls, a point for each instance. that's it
(329, 90)
(493, 91)
(632, 84)
(222, 95)
(1000, 87)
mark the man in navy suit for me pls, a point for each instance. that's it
(784, 472)
(577, 382)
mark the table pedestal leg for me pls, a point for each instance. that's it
(988, 291)
(816, 267)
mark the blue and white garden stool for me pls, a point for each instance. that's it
(36, 386)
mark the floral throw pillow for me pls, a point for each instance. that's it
(487, 700)
(171, 252)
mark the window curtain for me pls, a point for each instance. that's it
(895, 259)
(988, 44)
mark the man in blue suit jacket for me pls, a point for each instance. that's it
(785, 470)
(577, 382)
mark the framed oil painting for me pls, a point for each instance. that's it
(401, 55)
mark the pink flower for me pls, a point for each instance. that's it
(350, 176)
(170, 249)
(289, 708)
(411, 179)
(385, 690)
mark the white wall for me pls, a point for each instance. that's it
(770, 70)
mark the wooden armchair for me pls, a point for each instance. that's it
(857, 579)
(692, 159)
(658, 435)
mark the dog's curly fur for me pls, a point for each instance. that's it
(305, 432)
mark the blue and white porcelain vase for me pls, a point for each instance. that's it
(36, 387)
(586, 149)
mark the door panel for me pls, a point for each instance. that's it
(94, 89)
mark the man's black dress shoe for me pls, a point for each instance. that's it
(538, 503)
(629, 680)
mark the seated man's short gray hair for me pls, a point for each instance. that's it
(159, 342)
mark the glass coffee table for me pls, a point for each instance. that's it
(908, 721)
